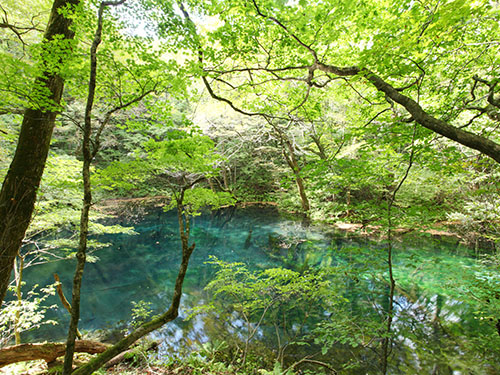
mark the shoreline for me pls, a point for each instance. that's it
(138, 206)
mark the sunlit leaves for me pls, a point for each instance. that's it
(187, 154)
(252, 293)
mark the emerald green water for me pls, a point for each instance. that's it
(143, 267)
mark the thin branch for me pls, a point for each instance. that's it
(19, 31)
(259, 69)
(276, 21)
(481, 112)
(375, 117)
(313, 361)
(232, 105)
(107, 117)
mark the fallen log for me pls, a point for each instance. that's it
(153, 345)
(47, 351)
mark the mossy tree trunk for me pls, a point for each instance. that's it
(19, 189)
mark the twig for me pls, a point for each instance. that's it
(63, 299)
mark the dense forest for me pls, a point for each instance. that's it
(375, 120)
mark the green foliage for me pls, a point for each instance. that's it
(198, 198)
(352, 147)
(277, 370)
(17, 67)
(124, 178)
(478, 215)
(31, 310)
(252, 292)
(141, 313)
(276, 299)
(189, 153)
(482, 285)
(58, 210)
(170, 164)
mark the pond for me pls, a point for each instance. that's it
(433, 329)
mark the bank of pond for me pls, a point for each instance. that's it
(264, 287)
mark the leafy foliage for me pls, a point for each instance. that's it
(351, 144)
(28, 313)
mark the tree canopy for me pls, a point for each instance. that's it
(380, 113)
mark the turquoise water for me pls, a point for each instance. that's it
(143, 267)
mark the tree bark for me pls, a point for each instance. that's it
(64, 301)
(302, 192)
(19, 189)
(122, 345)
(295, 167)
(172, 313)
(88, 156)
(122, 357)
(422, 117)
(48, 351)
(18, 275)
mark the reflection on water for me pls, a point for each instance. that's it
(143, 268)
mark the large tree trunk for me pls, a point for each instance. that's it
(18, 194)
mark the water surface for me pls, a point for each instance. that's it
(143, 267)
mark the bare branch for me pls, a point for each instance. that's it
(259, 69)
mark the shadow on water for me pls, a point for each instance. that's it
(143, 268)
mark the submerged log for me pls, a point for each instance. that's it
(47, 351)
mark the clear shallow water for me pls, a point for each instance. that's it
(143, 267)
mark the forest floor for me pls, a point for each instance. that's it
(40, 368)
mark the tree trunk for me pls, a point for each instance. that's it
(87, 199)
(148, 327)
(18, 275)
(302, 192)
(18, 194)
(294, 166)
(88, 156)
(77, 279)
(64, 301)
